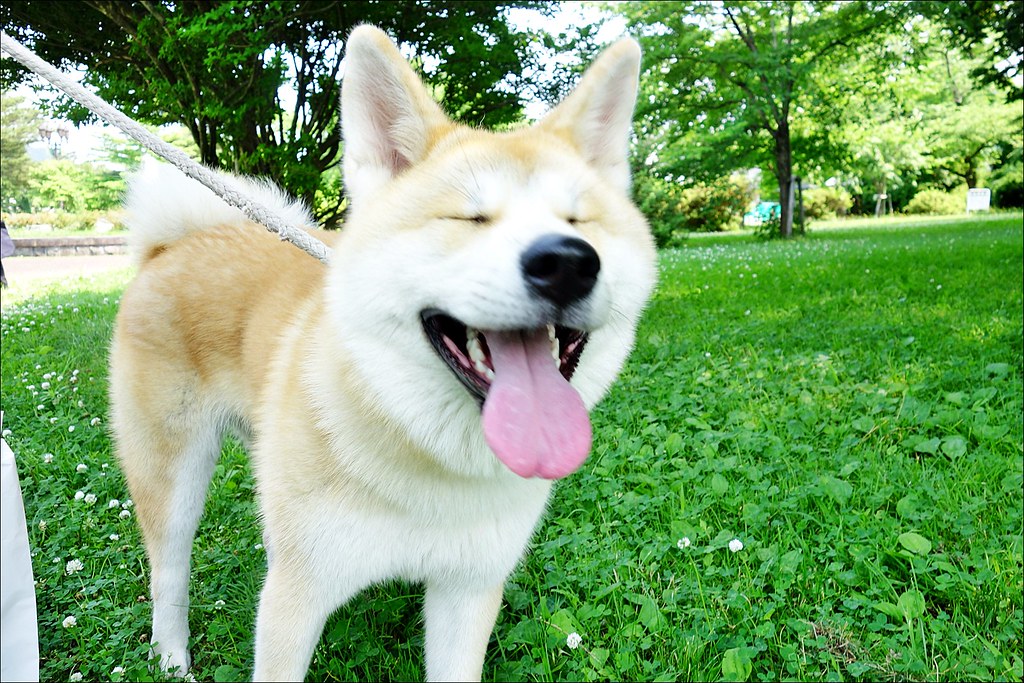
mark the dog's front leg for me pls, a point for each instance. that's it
(459, 624)
(290, 619)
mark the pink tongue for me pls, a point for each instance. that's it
(533, 419)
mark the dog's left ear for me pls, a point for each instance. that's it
(388, 119)
(598, 116)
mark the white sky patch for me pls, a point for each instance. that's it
(569, 16)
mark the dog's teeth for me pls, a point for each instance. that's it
(554, 346)
(482, 368)
(476, 352)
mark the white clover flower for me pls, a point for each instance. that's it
(114, 503)
(82, 467)
(124, 514)
(73, 566)
(47, 458)
(40, 407)
(116, 671)
(44, 385)
(90, 498)
(77, 675)
(218, 604)
(573, 640)
(68, 623)
(79, 495)
(683, 543)
(42, 525)
(115, 537)
(6, 433)
(93, 422)
(735, 545)
(128, 504)
(71, 428)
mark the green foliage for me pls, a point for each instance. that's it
(71, 186)
(822, 203)
(851, 415)
(18, 127)
(1007, 182)
(730, 85)
(874, 93)
(938, 202)
(61, 221)
(217, 68)
(713, 207)
(995, 30)
(675, 211)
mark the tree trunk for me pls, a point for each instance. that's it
(784, 175)
(971, 176)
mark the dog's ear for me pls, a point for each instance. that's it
(388, 118)
(597, 117)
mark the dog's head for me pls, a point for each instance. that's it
(488, 284)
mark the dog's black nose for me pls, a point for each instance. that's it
(561, 269)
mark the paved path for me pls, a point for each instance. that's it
(30, 269)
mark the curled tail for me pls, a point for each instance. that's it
(163, 205)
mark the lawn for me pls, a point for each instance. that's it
(811, 469)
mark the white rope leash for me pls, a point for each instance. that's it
(231, 195)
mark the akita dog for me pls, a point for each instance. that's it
(407, 407)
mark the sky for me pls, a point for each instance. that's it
(83, 141)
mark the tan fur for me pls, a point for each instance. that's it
(369, 457)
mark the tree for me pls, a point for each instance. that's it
(71, 186)
(993, 30)
(219, 67)
(725, 81)
(925, 119)
(18, 127)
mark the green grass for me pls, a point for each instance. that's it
(847, 405)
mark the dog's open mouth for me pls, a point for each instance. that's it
(533, 419)
(468, 354)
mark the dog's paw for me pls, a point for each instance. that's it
(173, 662)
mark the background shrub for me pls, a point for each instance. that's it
(822, 203)
(62, 220)
(1007, 185)
(674, 210)
(938, 203)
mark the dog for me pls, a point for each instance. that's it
(408, 407)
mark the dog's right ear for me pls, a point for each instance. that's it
(388, 119)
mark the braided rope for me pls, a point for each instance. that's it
(231, 195)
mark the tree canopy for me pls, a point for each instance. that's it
(219, 67)
(725, 80)
(871, 90)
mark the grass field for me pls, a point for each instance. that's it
(811, 469)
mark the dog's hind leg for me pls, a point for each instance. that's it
(168, 451)
(459, 624)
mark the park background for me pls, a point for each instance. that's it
(836, 389)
